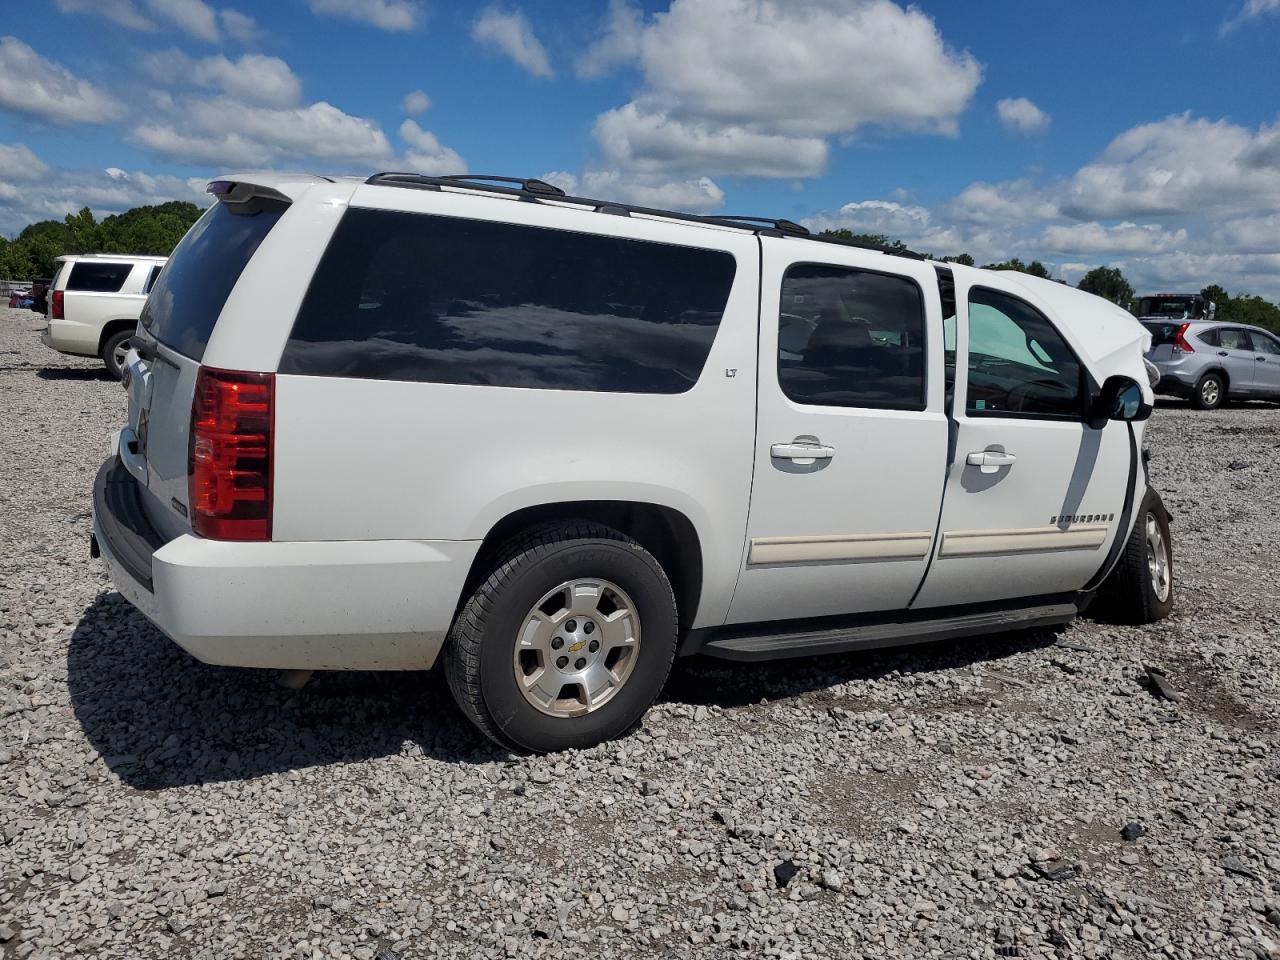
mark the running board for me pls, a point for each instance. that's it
(754, 645)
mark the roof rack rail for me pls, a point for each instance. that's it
(532, 189)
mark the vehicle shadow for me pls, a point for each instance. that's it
(160, 718)
(73, 373)
(706, 681)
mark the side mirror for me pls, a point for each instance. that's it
(1213, 310)
(1119, 399)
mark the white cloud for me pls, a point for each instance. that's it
(1022, 116)
(239, 26)
(1250, 10)
(105, 192)
(195, 131)
(426, 154)
(1180, 166)
(389, 15)
(415, 101)
(193, 17)
(1252, 234)
(749, 83)
(695, 195)
(253, 78)
(658, 143)
(1097, 238)
(1011, 202)
(123, 12)
(32, 85)
(17, 162)
(618, 42)
(913, 225)
(510, 32)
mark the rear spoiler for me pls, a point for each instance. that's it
(246, 198)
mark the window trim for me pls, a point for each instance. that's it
(1085, 386)
(924, 331)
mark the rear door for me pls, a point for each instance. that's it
(1266, 360)
(851, 436)
(175, 327)
(1033, 494)
(1235, 350)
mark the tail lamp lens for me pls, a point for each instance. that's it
(1180, 344)
(55, 305)
(229, 457)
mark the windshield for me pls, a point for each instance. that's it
(1175, 308)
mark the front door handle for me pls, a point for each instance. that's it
(1223, 353)
(1261, 359)
(800, 450)
(990, 458)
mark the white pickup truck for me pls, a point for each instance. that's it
(555, 442)
(94, 302)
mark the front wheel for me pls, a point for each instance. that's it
(1140, 588)
(566, 643)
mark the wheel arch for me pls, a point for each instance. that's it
(664, 531)
(112, 327)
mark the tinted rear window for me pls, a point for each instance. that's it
(97, 277)
(405, 296)
(1162, 333)
(188, 296)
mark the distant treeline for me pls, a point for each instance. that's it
(1106, 282)
(153, 229)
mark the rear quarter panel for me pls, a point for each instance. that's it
(377, 459)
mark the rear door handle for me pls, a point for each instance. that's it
(801, 451)
(1222, 353)
(990, 458)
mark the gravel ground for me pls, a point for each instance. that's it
(961, 800)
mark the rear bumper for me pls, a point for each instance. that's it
(332, 605)
(68, 336)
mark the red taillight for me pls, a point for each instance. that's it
(55, 305)
(1180, 344)
(229, 454)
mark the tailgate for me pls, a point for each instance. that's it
(185, 305)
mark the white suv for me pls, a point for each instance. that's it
(94, 302)
(555, 442)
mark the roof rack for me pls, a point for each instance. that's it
(536, 190)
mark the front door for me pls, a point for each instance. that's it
(851, 435)
(1266, 364)
(1033, 495)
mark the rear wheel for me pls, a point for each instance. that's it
(567, 641)
(1211, 392)
(1140, 588)
(114, 349)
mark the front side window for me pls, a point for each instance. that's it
(411, 296)
(92, 276)
(1019, 365)
(1264, 344)
(851, 338)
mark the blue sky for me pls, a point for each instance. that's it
(1145, 135)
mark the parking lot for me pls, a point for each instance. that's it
(953, 800)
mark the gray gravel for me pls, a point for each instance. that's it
(962, 800)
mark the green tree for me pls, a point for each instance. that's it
(1035, 268)
(1108, 282)
(961, 258)
(864, 239)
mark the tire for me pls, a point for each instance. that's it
(1130, 594)
(495, 634)
(1210, 392)
(110, 350)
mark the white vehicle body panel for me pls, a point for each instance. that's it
(385, 490)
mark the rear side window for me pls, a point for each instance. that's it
(407, 296)
(1209, 337)
(851, 338)
(188, 296)
(92, 276)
